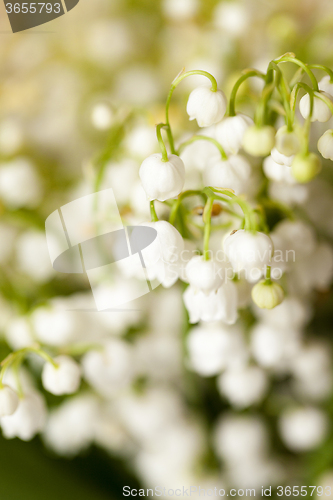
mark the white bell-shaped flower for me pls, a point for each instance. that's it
(206, 106)
(230, 132)
(232, 173)
(275, 346)
(204, 275)
(303, 429)
(217, 305)
(233, 431)
(160, 179)
(71, 427)
(326, 85)
(277, 172)
(249, 252)
(325, 145)
(111, 369)
(9, 401)
(63, 379)
(287, 142)
(208, 349)
(281, 159)
(28, 419)
(320, 112)
(163, 258)
(243, 386)
(214, 347)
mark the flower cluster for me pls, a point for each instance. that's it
(229, 187)
(235, 215)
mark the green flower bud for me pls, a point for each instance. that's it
(305, 167)
(267, 294)
(259, 141)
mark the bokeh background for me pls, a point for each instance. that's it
(79, 98)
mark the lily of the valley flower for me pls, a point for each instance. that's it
(325, 145)
(28, 419)
(204, 275)
(232, 173)
(206, 106)
(220, 305)
(163, 257)
(214, 347)
(243, 386)
(249, 252)
(326, 85)
(287, 142)
(8, 401)
(277, 172)
(259, 141)
(320, 112)
(63, 379)
(281, 159)
(231, 130)
(160, 179)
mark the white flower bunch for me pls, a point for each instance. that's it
(235, 247)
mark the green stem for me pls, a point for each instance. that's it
(203, 138)
(326, 100)
(262, 106)
(248, 73)
(177, 203)
(20, 354)
(153, 213)
(304, 66)
(174, 84)
(323, 68)
(207, 218)
(249, 216)
(161, 142)
(294, 93)
(307, 123)
(284, 90)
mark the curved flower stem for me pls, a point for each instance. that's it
(183, 74)
(19, 356)
(262, 106)
(323, 68)
(177, 203)
(203, 138)
(228, 210)
(249, 216)
(161, 142)
(325, 99)
(153, 213)
(284, 90)
(292, 59)
(207, 218)
(248, 73)
(294, 93)
(307, 123)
